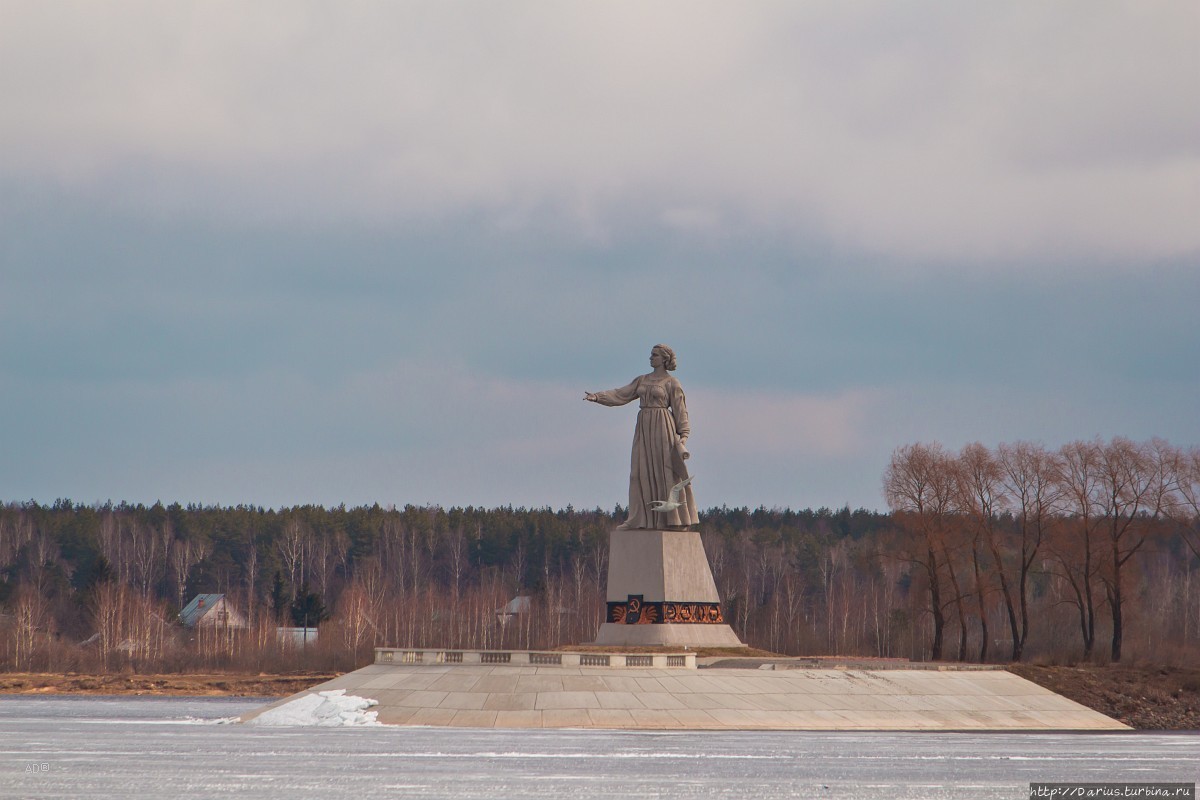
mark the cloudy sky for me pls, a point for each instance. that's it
(315, 252)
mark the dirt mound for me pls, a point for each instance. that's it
(1148, 698)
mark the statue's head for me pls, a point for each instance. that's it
(668, 355)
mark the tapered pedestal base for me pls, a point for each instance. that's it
(661, 593)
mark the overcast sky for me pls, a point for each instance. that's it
(298, 252)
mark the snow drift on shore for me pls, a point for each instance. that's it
(331, 709)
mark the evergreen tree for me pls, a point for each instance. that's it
(279, 602)
(308, 611)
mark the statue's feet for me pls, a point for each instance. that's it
(625, 526)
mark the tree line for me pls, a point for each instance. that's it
(1012, 553)
(981, 527)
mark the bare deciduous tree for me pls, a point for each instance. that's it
(356, 614)
(31, 615)
(293, 545)
(1076, 547)
(919, 487)
(1028, 472)
(980, 498)
(146, 549)
(185, 554)
(1185, 511)
(1134, 488)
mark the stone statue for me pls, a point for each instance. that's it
(659, 447)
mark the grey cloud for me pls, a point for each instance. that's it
(292, 252)
(1054, 132)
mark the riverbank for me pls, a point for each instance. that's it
(1146, 698)
(173, 684)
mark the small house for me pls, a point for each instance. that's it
(211, 611)
(514, 608)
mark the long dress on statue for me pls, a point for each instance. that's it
(662, 421)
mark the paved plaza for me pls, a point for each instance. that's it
(530, 695)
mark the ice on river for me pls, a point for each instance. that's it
(143, 748)
(331, 709)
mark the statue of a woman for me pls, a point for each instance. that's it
(659, 445)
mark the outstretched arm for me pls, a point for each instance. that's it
(614, 397)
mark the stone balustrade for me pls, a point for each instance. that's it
(429, 657)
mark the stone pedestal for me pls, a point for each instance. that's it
(661, 592)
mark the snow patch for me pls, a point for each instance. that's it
(331, 709)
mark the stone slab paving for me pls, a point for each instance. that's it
(728, 698)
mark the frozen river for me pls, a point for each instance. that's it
(140, 747)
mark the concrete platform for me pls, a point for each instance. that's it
(485, 690)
